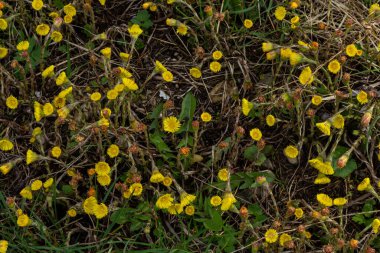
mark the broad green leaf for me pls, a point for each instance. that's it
(121, 216)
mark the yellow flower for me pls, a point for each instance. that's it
(23, 220)
(3, 24)
(3, 52)
(103, 180)
(6, 145)
(102, 168)
(61, 79)
(3, 246)
(223, 174)
(280, 13)
(156, 176)
(359, 52)
(70, 10)
(267, 46)
(53, 14)
(362, 97)
(187, 198)
(26, 193)
(130, 84)
(285, 53)
(71, 212)
(270, 120)
(127, 194)
(246, 106)
(248, 23)
(43, 29)
(284, 238)
(96, 96)
(68, 19)
(48, 109)
(215, 66)
(100, 211)
(255, 134)
(112, 94)
(322, 179)
(334, 66)
(113, 151)
(298, 213)
(324, 127)
(36, 185)
(365, 185)
(31, 157)
(303, 45)
(171, 22)
(48, 72)
(5, 168)
(351, 50)
(49, 182)
(294, 5)
(103, 122)
(306, 77)
(375, 226)
(373, 9)
(106, 52)
(195, 72)
(124, 56)
(159, 67)
(271, 235)
(295, 20)
(271, 55)
(135, 31)
(291, 151)
(102, 2)
(89, 205)
(124, 73)
(171, 124)
(216, 201)
(295, 58)
(340, 201)
(324, 199)
(167, 76)
(165, 201)
(23, 46)
(206, 117)
(182, 29)
(11, 102)
(56, 36)
(56, 152)
(227, 201)
(65, 92)
(175, 209)
(167, 181)
(217, 55)
(136, 189)
(316, 100)
(338, 121)
(323, 167)
(190, 210)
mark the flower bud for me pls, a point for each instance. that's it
(185, 151)
(342, 161)
(343, 59)
(334, 231)
(325, 211)
(195, 124)
(243, 212)
(341, 243)
(240, 131)
(322, 26)
(301, 229)
(58, 22)
(354, 244)
(261, 180)
(366, 119)
(208, 10)
(328, 249)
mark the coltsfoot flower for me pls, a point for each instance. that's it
(171, 124)
(271, 235)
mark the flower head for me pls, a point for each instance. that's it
(3, 52)
(190, 210)
(176, 208)
(23, 46)
(103, 180)
(215, 66)
(246, 106)
(113, 151)
(375, 226)
(280, 13)
(171, 124)
(23, 220)
(334, 66)
(187, 198)
(26, 193)
(56, 152)
(298, 213)
(71, 212)
(291, 151)
(130, 84)
(49, 182)
(227, 201)
(195, 72)
(165, 201)
(324, 199)
(340, 201)
(267, 46)
(106, 52)
(56, 36)
(89, 205)
(167, 76)
(102, 168)
(136, 189)
(206, 117)
(31, 157)
(284, 238)
(100, 211)
(248, 23)
(295, 58)
(5, 144)
(216, 201)
(362, 97)
(270, 120)
(3, 24)
(182, 29)
(322, 179)
(337, 121)
(306, 77)
(36, 185)
(43, 29)
(3, 246)
(223, 174)
(156, 176)
(324, 127)
(271, 235)
(351, 50)
(70, 10)
(365, 185)
(167, 181)
(217, 55)
(323, 167)
(135, 31)
(255, 134)
(61, 79)
(48, 72)
(316, 100)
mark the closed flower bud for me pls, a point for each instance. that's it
(321, 26)
(200, 52)
(261, 180)
(310, 112)
(346, 77)
(261, 144)
(372, 94)
(301, 229)
(277, 224)
(240, 131)
(349, 22)
(14, 64)
(341, 94)
(328, 249)
(168, 104)
(343, 59)
(290, 211)
(354, 244)
(133, 149)
(325, 211)
(341, 243)
(195, 124)
(185, 151)
(366, 119)
(24, 54)
(208, 10)
(243, 212)
(58, 21)
(334, 231)
(342, 161)
(314, 45)
(370, 250)
(91, 192)
(223, 145)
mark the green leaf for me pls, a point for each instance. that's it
(154, 115)
(121, 215)
(350, 167)
(67, 189)
(159, 142)
(143, 19)
(215, 223)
